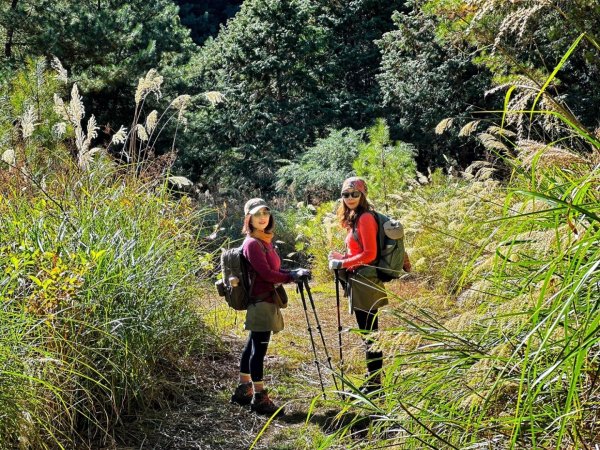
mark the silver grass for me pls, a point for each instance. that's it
(475, 166)
(9, 157)
(179, 181)
(180, 103)
(546, 155)
(92, 132)
(491, 142)
(444, 125)
(516, 23)
(485, 173)
(79, 140)
(61, 72)
(151, 121)
(422, 179)
(84, 159)
(148, 84)
(28, 122)
(76, 110)
(59, 129)
(517, 16)
(469, 128)
(214, 97)
(60, 108)
(141, 132)
(120, 136)
(40, 71)
(498, 131)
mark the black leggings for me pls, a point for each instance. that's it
(253, 356)
(367, 320)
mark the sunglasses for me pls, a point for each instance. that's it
(262, 213)
(353, 194)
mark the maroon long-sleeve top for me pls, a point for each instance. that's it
(265, 262)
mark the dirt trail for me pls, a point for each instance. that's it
(203, 418)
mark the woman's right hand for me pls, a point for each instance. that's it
(335, 255)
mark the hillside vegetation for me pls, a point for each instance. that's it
(127, 151)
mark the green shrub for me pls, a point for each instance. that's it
(387, 166)
(320, 171)
(318, 234)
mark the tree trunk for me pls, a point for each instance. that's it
(10, 31)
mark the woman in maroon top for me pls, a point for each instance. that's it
(365, 291)
(263, 316)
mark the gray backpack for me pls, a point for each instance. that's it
(235, 284)
(390, 247)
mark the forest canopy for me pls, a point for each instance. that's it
(293, 71)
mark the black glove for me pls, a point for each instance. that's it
(300, 274)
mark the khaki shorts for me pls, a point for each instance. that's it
(263, 316)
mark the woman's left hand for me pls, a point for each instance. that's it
(300, 274)
(335, 264)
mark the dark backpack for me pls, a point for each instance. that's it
(390, 247)
(235, 284)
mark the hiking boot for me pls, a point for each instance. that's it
(262, 404)
(243, 394)
(372, 384)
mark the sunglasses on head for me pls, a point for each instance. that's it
(262, 213)
(353, 194)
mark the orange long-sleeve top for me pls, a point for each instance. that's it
(363, 251)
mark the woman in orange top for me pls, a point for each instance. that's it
(365, 291)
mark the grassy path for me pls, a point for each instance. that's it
(204, 418)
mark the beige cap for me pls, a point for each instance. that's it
(254, 205)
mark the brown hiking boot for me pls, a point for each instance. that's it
(243, 394)
(262, 404)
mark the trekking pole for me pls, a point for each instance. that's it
(300, 284)
(339, 321)
(312, 304)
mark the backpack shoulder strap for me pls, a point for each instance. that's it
(355, 233)
(254, 274)
(248, 279)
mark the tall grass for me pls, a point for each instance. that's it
(97, 302)
(99, 278)
(519, 366)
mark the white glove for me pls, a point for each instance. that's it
(335, 264)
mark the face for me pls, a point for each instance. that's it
(260, 219)
(351, 198)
